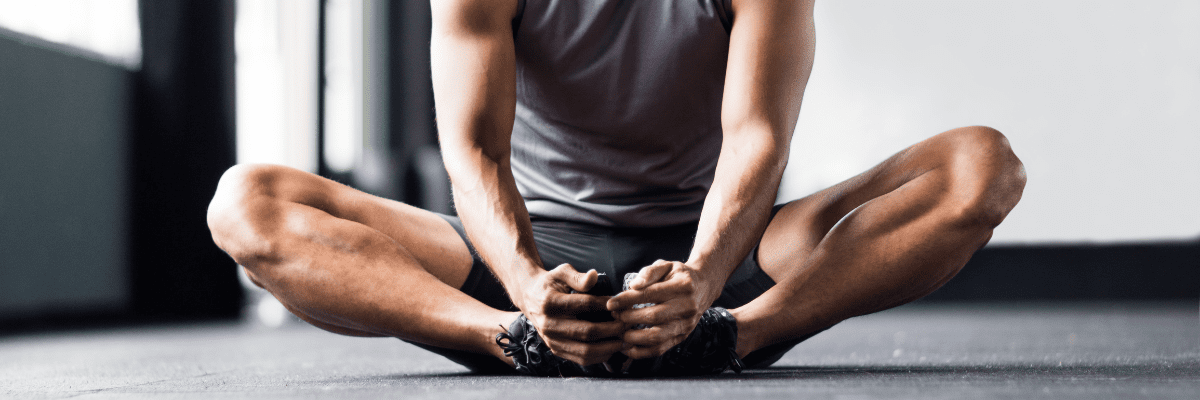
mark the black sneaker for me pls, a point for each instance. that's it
(710, 349)
(533, 357)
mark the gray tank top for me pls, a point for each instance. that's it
(618, 108)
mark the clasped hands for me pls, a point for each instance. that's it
(679, 293)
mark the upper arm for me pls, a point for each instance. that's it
(771, 50)
(473, 70)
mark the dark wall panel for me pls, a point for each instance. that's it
(1146, 271)
(64, 123)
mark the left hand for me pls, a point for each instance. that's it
(680, 296)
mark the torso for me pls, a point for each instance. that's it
(618, 108)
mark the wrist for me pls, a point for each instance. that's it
(522, 279)
(710, 282)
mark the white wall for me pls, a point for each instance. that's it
(1100, 99)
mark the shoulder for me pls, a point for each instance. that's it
(473, 15)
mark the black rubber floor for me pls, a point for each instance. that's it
(1052, 350)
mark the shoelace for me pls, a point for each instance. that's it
(526, 354)
(528, 358)
(509, 348)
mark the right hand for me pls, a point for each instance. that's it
(550, 306)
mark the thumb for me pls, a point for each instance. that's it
(579, 281)
(650, 274)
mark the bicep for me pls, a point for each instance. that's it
(472, 58)
(771, 50)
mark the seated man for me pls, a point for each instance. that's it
(618, 136)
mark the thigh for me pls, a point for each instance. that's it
(426, 236)
(800, 225)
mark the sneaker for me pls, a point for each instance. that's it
(532, 357)
(708, 350)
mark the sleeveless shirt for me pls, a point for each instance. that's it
(618, 108)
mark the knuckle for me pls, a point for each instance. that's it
(554, 347)
(691, 311)
(590, 353)
(655, 316)
(654, 337)
(536, 307)
(588, 332)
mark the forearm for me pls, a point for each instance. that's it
(474, 82)
(770, 58)
(734, 215)
(497, 222)
(738, 206)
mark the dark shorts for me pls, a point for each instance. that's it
(614, 251)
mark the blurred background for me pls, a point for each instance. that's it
(117, 117)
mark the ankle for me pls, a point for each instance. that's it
(500, 324)
(746, 340)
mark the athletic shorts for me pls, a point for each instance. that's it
(614, 251)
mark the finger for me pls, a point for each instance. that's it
(657, 314)
(661, 292)
(578, 281)
(650, 274)
(650, 342)
(639, 352)
(575, 303)
(651, 336)
(583, 331)
(584, 353)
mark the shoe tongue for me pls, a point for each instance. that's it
(625, 286)
(518, 327)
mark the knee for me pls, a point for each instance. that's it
(988, 176)
(238, 186)
(241, 209)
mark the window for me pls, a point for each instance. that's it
(277, 86)
(104, 29)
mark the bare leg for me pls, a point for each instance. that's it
(906, 227)
(349, 262)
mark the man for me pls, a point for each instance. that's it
(618, 136)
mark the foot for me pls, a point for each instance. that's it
(710, 349)
(531, 356)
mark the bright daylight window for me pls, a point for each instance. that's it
(278, 87)
(277, 82)
(344, 80)
(106, 28)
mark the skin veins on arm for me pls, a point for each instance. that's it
(770, 58)
(473, 63)
(474, 81)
